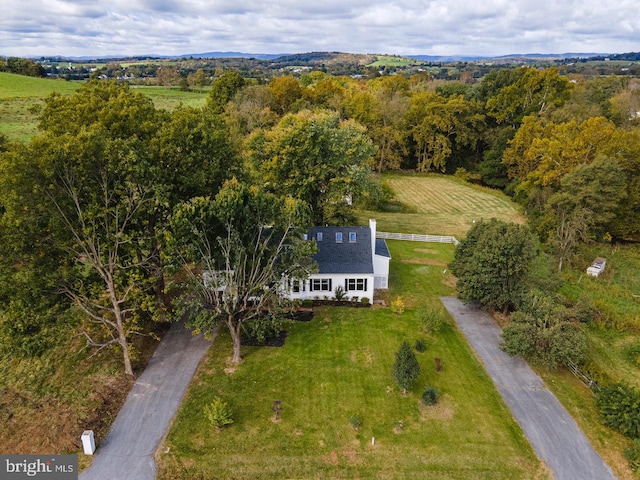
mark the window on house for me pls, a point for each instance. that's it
(355, 284)
(298, 286)
(338, 237)
(352, 237)
(319, 236)
(320, 285)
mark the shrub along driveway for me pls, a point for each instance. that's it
(553, 434)
(128, 451)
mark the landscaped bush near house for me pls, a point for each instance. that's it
(430, 396)
(365, 301)
(219, 413)
(307, 303)
(397, 306)
(339, 293)
(619, 406)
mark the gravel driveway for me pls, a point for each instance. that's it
(552, 432)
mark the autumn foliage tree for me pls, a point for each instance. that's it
(317, 158)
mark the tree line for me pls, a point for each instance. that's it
(22, 66)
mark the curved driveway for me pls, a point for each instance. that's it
(552, 432)
(128, 451)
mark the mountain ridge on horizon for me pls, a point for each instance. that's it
(274, 56)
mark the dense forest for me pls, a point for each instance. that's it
(103, 208)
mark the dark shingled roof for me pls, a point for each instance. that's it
(345, 257)
(381, 248)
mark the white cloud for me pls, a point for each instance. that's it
(491, 27)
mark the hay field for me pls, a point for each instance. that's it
(441, 205)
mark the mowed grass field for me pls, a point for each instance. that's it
(337, 366)
(21, 97)
(441, 205)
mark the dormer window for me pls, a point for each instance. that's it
(352, 237)
(338, 237)
(319, 236)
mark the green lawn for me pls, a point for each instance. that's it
(441, 205)
(338, 366)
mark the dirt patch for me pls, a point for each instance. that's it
(350, 454)
(426, 250)
(332, 458)
(450, 280)
(54, 425)
(426, 261)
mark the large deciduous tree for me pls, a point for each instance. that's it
(236, 250)
(316, 158)
(85, 189)
(382, 108)
(585, 205)
(438, 125)
(223, 90)
(492, 264)
(528, 91)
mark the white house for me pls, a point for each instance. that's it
(347, 257)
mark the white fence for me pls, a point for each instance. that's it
(412, 237)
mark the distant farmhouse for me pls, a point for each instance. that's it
(350, 258)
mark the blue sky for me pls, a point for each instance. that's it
(431, 27)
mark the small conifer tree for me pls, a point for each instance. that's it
(406, 368)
